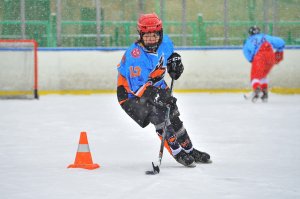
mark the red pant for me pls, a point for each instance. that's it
(263, 62)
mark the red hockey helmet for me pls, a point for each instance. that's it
(149, 23)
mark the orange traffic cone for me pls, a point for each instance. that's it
(83, 157)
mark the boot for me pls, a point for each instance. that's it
(183, 158)
(256, 94)
(265, 96)
(200, 157)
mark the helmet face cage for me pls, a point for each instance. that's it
(150, 23)
(254, 30)
(152, 47)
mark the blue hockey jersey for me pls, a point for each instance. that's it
(253, 43)
(140, 68)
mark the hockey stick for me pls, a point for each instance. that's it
(248, 96)
(156, 169)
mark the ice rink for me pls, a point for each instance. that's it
(254, 147)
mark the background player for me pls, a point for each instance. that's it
(259, 50)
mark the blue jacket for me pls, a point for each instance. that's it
(253, 43)
(140, 68)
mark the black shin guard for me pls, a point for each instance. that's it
(181, 134)
(185, 141)
(170, 138)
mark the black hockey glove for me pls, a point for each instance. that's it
(174, 66)
(158, 97)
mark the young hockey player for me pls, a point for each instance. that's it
(259, 50)
(143, 93)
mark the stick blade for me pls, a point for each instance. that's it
(150, 172)
(155, 170)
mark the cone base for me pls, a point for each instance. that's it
(84, 166)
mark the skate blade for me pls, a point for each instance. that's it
(254, 100)
(208, 162)
(151, 172)
(191, 165)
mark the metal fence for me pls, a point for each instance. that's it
(89, 23)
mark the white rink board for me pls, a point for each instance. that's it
(204, 69)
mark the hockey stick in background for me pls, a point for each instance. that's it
(156, 169)
(248, 96)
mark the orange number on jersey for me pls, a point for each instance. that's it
(135, 71)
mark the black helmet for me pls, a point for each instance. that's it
(254, 30)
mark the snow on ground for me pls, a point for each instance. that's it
(254, 148)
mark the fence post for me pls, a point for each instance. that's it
(275, 9)
(266, 16)
(202, 34)
(184, 25)
(98, 19)
(52, 31)
(117, 36)
(251, 10)
(225, 22)
(58, 23)
(127, 34)
(23, 23)
(289, 39)
(270, 28)
(162, 9)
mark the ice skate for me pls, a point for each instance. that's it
(200, 157)
(183, 158)
(256, 95)
(265, 95)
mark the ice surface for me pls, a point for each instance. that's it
(254, 147)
